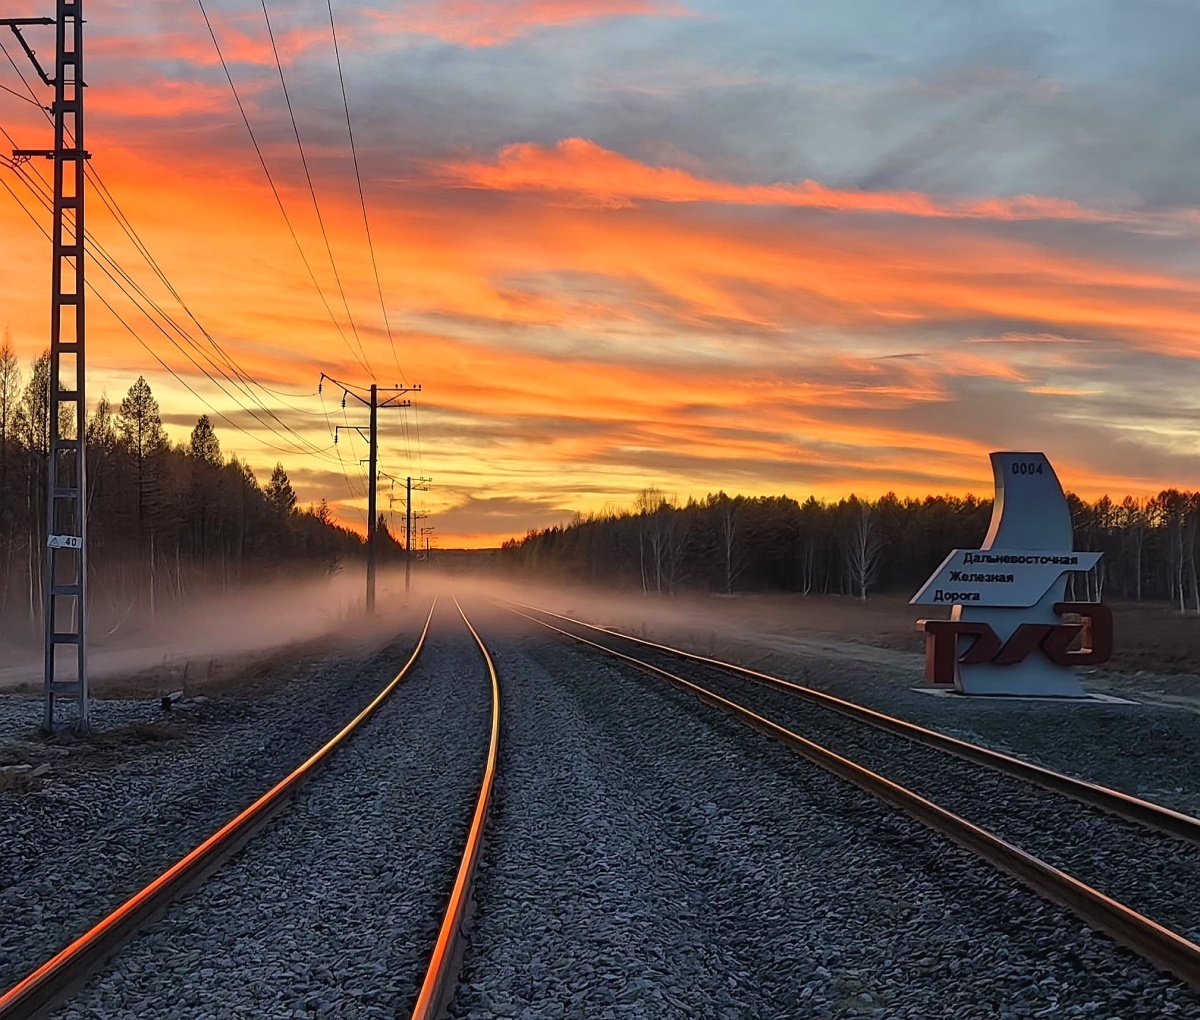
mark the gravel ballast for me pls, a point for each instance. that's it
(108, 818)
(1155, 874)
(649, 857)
(1147, 748)
(333, 910)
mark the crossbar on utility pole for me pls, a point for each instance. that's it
(66, 561)
(392, 398)
(421, 486)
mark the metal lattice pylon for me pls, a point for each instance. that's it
(65, 577)
(66, 512)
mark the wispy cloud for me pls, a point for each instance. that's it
(479, 24)
(691, 295)
(581, 170)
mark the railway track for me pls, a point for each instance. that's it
(312, 885)
(1127, 867)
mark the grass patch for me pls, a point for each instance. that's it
(17, 782)
(132, 734)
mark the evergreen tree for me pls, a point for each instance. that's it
(140, 427)
(139, 422)
(204, 445)
(279, 492)
(164, 522)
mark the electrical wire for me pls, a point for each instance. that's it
(38, 187)
(117, 274)
(150, 350)
(271, 180)
(364, 360)
(21, 74)
(123, 221)
(362, 201)
(245, 380)
(111, 268)
(14, 92)
(341, 461)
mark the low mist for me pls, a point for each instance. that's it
(252, 621)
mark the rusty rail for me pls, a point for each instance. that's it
(1165, 949)
(438, 987)
(53, 983)
(1115, 802)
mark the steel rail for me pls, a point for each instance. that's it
(53, 983)
(1124, 805)
(438, 987)
(1165, 949)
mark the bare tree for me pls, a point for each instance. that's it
(864, 549)
(665, 530)
(1174, 509)
(645, 507)
(33, 432)
(1191, 512)
(10, 387)
(730, 533)
(675, 527)
(808, 565)
(1133, 520)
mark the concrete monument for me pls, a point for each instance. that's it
(1010, 630)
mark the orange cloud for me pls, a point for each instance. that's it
(162, 97)
(586, 352)
(243, 40)
(482, 23)
(585, 171)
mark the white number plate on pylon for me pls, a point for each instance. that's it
(64, 542)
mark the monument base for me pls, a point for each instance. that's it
(1089, 697)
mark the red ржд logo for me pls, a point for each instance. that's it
(1095, 634)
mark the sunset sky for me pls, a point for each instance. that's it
(767, 247)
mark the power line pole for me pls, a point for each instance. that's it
(422, 486)
(66, 562)
(372, 499)
(393, 397)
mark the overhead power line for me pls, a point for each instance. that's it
(377, 398)
(364, 360)
(244, 380)
(362, 201)
(225, 365)
(129, 287)
(274, 188)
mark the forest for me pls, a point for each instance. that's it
(852, 547)
(164, 521)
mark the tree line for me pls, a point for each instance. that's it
(853, 546)
(164, 520)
